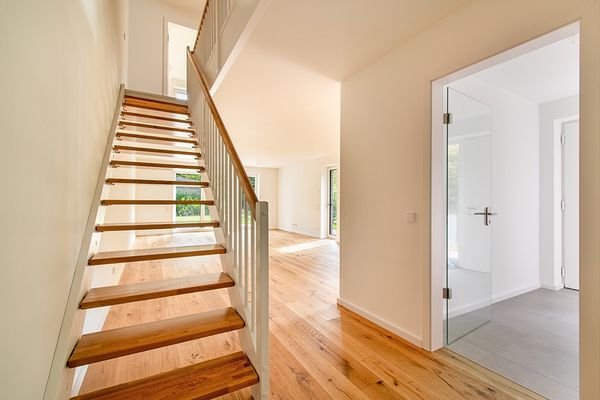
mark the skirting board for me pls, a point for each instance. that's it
(382, 323)
(299, 232)
(495, 299)
(550, 286)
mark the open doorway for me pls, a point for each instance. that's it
(508, 237)
(179, 38)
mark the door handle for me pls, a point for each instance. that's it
(486, 216)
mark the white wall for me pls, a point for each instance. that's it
(515, 197)
(302, 196)
(268, 190)
(386, 154)
(550, 188)
(60, 75)
(147, 37)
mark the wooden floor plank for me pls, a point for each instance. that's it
(155, 253)
(205, 380)
(144, 164)
(104, 345)
(142, 202)
(304, 287)
(155, 137)
(112, 181)
(127, 293)
(155, 150)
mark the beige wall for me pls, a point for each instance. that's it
(385, 156)
(146, 41)
(268, 190)
(60, 75)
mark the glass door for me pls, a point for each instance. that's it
(469, 214)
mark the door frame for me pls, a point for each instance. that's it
(559, 126)
(438, 172)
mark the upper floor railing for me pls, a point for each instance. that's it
(243, 219)
(221, 29)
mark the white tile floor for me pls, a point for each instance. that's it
(533, 339)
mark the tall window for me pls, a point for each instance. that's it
(253, 178)
(332, 201)
(189, 212)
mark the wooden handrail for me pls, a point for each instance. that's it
(238, 167)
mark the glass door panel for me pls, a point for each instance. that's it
(468, 236)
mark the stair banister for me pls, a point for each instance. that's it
(244, 222)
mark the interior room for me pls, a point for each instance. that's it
(512, 218)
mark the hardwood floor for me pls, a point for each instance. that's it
(318, 351)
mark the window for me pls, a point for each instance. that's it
(189, 212)
(253, 178)
(181, 93)
(332, 200)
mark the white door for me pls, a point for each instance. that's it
(570, 195)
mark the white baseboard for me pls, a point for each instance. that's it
(383, 323)
(552, 286)
(300, 232)
(495, 299)
(515, 292)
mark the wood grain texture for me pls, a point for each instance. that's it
(155, 137)
(155, 105)
(128, 293)
(143, 149)
(154, 253)
(104, 345)
(156, 117)
(144, 164)
(140, 226)
(149, 125)
(112, 181)
(200, 381)
(117, 202)
(318, 350)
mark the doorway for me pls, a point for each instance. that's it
(503, 233)
(178, 39)
(570, 204)
(332, 202)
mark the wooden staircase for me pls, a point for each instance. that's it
(205, 380)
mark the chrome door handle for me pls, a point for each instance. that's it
(486, 215)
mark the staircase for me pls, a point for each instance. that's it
(153, 138)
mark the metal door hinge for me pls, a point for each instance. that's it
(447, 117)
(562, 205)
(446, 293)
(563, 138)
(563, 272)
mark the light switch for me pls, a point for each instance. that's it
(411, 217)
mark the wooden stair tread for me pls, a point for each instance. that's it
(119, 294)
(148, 125)
(125, 163)
(202, 381)
(155, 182)
(160, 253)
(157, 117)
(155, 137)
(156, 105)
(155, 225)
(127, 202)
(113, 343)
(142, 149)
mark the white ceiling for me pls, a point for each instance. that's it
(194, 5)
(545, 74)
(281, 99)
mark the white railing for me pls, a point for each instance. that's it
(224, 28)
(243, 223)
